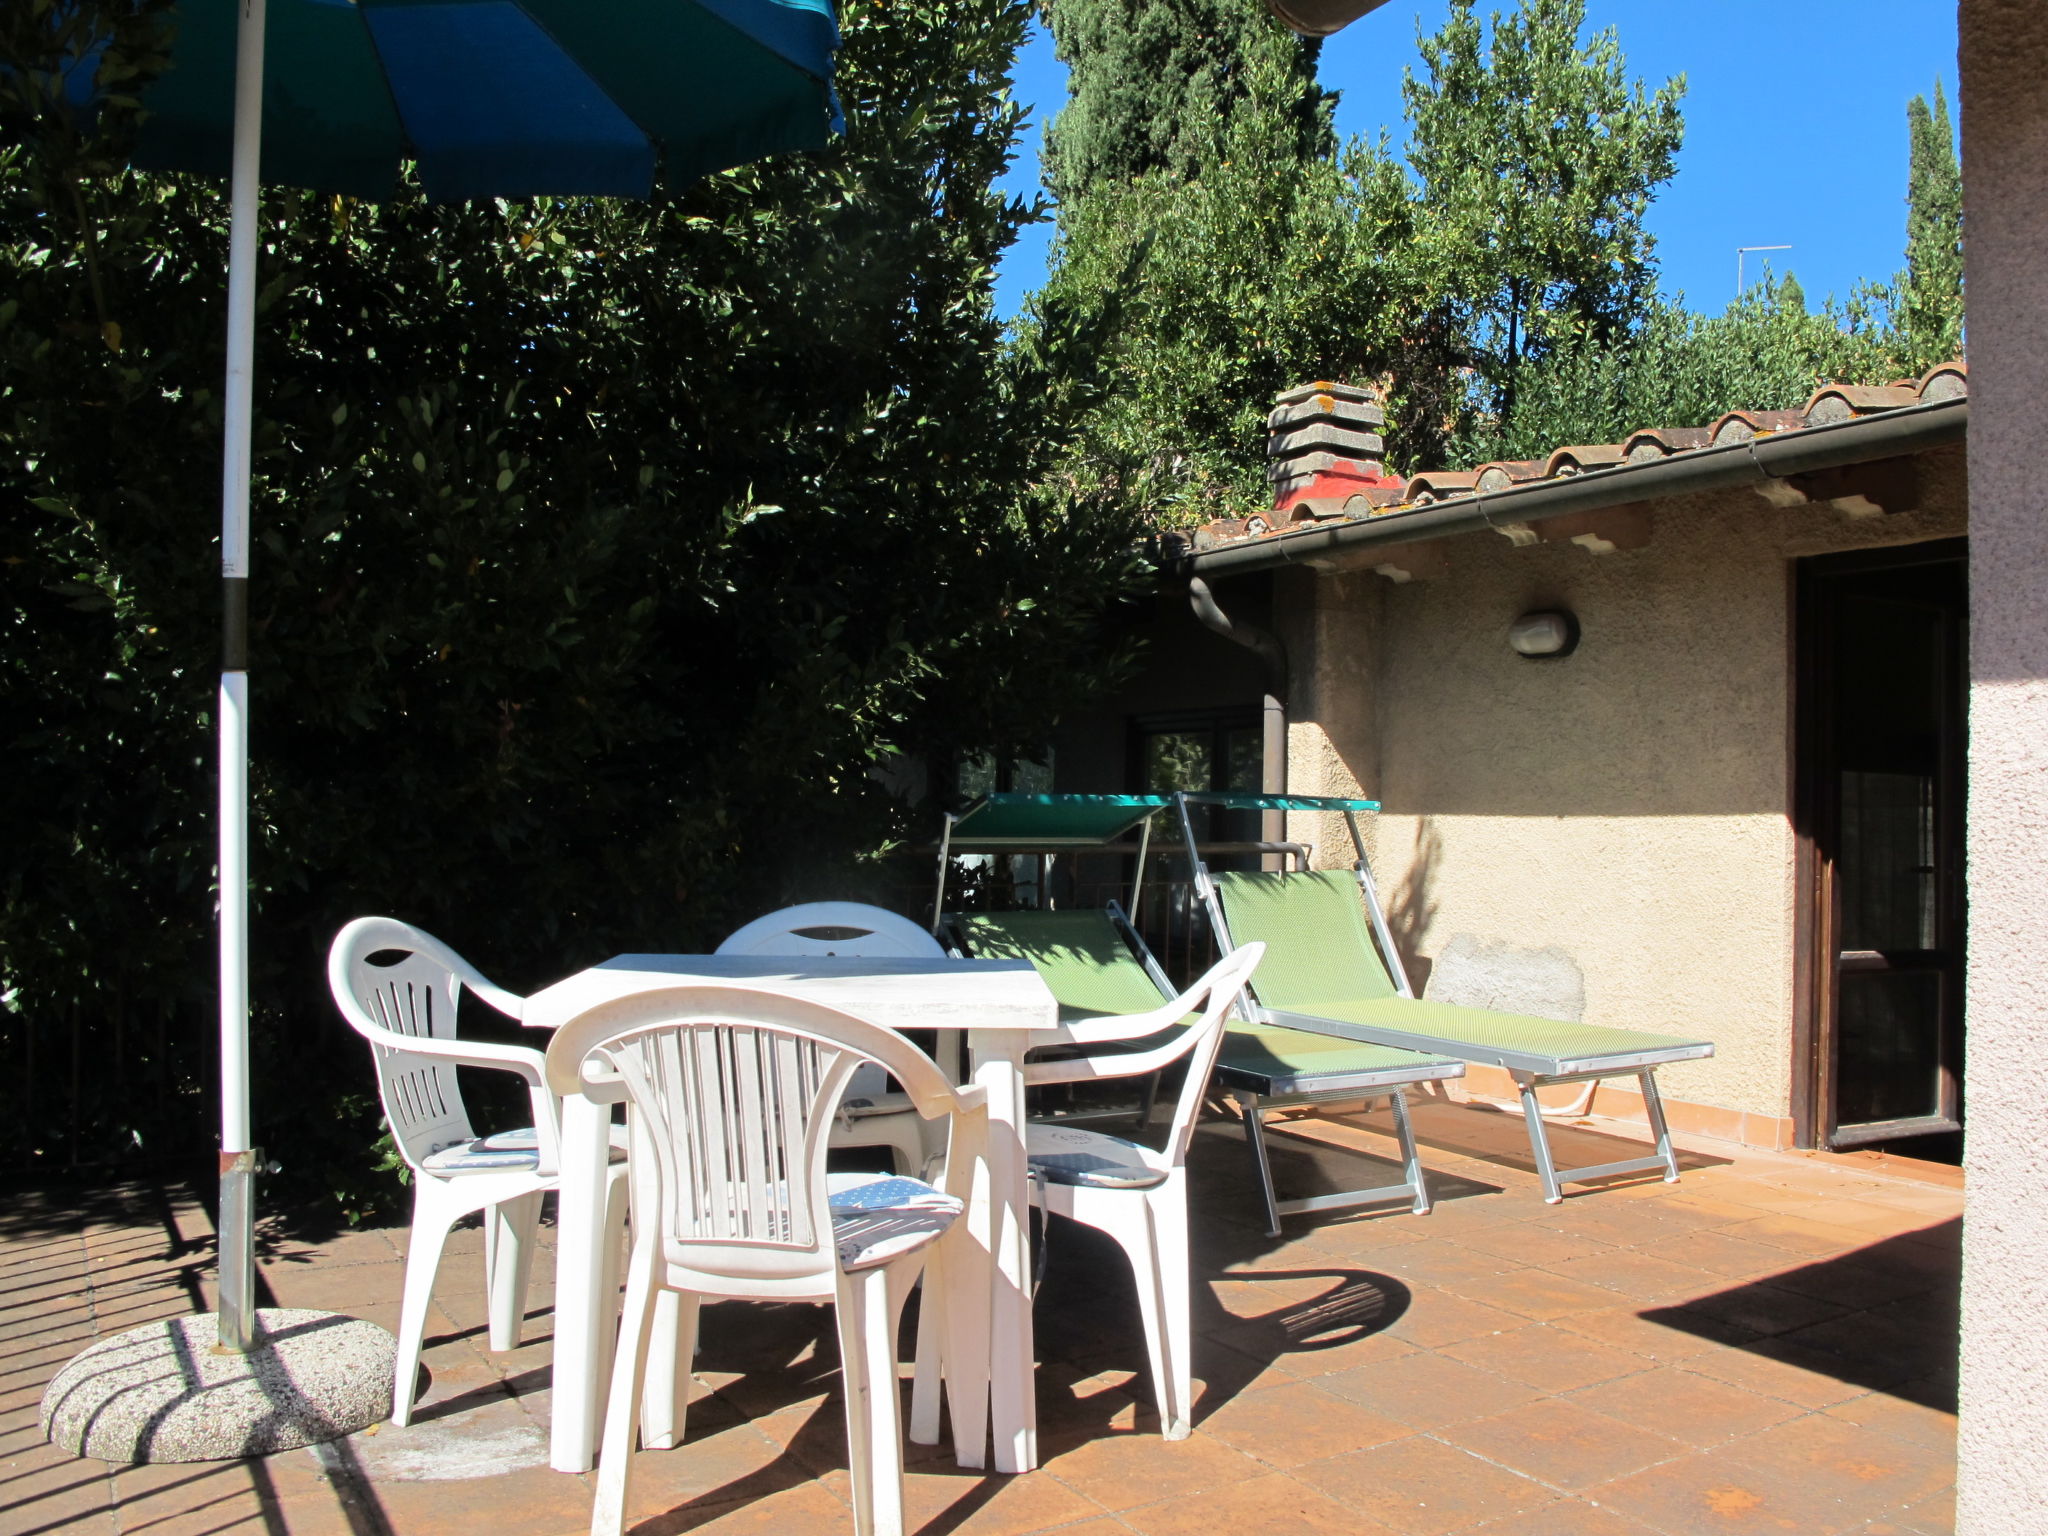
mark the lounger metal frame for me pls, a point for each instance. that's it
(1529, 1069)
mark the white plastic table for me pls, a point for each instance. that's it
(998, 1004)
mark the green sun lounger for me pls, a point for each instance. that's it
(1095, 964)
(1325, 971)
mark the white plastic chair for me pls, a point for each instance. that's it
(406, 1009)
(730, 1095)
(1134, 1194)
(871, 1115)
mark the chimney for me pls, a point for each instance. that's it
(1323, 447)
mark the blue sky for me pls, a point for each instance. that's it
(1795, 127)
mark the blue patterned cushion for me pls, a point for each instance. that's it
(1067, 1154)
(496, 1153)
(877, 1219)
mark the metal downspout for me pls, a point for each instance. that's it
(1273, 707)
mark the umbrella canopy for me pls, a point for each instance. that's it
(499, 98)
(490, 98)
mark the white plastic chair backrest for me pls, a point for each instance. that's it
(834, 928)
(414, 996)
(1213, 994)
(731, 1093)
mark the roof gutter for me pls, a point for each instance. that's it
(1909, 429)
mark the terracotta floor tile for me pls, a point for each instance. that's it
(1285, 1426)
(1538, 1294)
(1273, 1505)
(1530, 1242)
(1678, 1337)
(1121, 1471)
(1567, 1517)
(1863, 1469)
(1421, 1486)
(1428, 1390)
(1703, 1492)
(1436, 1318)
(1546, 1358)
(1687, 1406)
(1562, 1443)
(1808, 1238)
(1932, 1429)
(1761, 1307)
(1771, 1372)
(1735, 1258)
(1637, 1275)
(971, 1504)
(1422, 1265)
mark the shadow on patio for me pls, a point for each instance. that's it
(1766, 1346)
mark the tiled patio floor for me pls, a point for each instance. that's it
(1766, 1347)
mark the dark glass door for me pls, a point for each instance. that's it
(1884, 636)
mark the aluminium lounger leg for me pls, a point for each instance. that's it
(1653, 1107)
(1255, 1138)
(1539, 1139)
(1409, 1156)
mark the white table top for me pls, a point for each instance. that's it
(936, 993)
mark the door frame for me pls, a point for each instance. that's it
(1814, 797)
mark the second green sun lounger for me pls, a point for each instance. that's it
(1095, 964)
(1323, 972)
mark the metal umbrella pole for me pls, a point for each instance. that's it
(237, 1236)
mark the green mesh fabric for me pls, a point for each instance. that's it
(1320, 960)
(1456, 1029)
(1083, 959)
(1275, 1051)
(1313, 927)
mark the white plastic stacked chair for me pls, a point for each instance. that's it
(731, 1092)
(872, 1114)
(406, 1009)
(1136, 1195)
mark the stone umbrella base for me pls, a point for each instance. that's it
(161, 1393)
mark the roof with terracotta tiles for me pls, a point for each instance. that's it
(1324, 446)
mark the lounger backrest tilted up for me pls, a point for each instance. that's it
(1095, 963)
(1327, 970)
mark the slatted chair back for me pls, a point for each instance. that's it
(395, 983)
(731, 1093)
(821, 928)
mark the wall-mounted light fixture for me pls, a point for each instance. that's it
(1545, 636)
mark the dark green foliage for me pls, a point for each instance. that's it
(1153, 82)
(1535, 159)
(1679, 369)
(608, 557)
(1928, 295)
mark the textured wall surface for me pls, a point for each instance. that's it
(1627, 807)
(2003, 1476)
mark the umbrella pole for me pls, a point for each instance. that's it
(237, 1158)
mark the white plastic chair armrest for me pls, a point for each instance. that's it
(967, 1146)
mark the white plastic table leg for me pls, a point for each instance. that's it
(997, 1058)
(582, 1308)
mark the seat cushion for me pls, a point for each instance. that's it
(1068, 1154)
(878, 1219)
(498, 1152)
(487, 1154)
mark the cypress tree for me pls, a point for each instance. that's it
(1151, 83)
(1929, 314)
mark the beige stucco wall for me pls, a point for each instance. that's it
(2002, 1481)
(1627, 806)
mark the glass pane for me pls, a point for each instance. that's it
(1890, 1056)
(1029, 778)
(1241, 758)
(1177, 760)
(977, 776)
(1890, 659)
(1886, 868)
